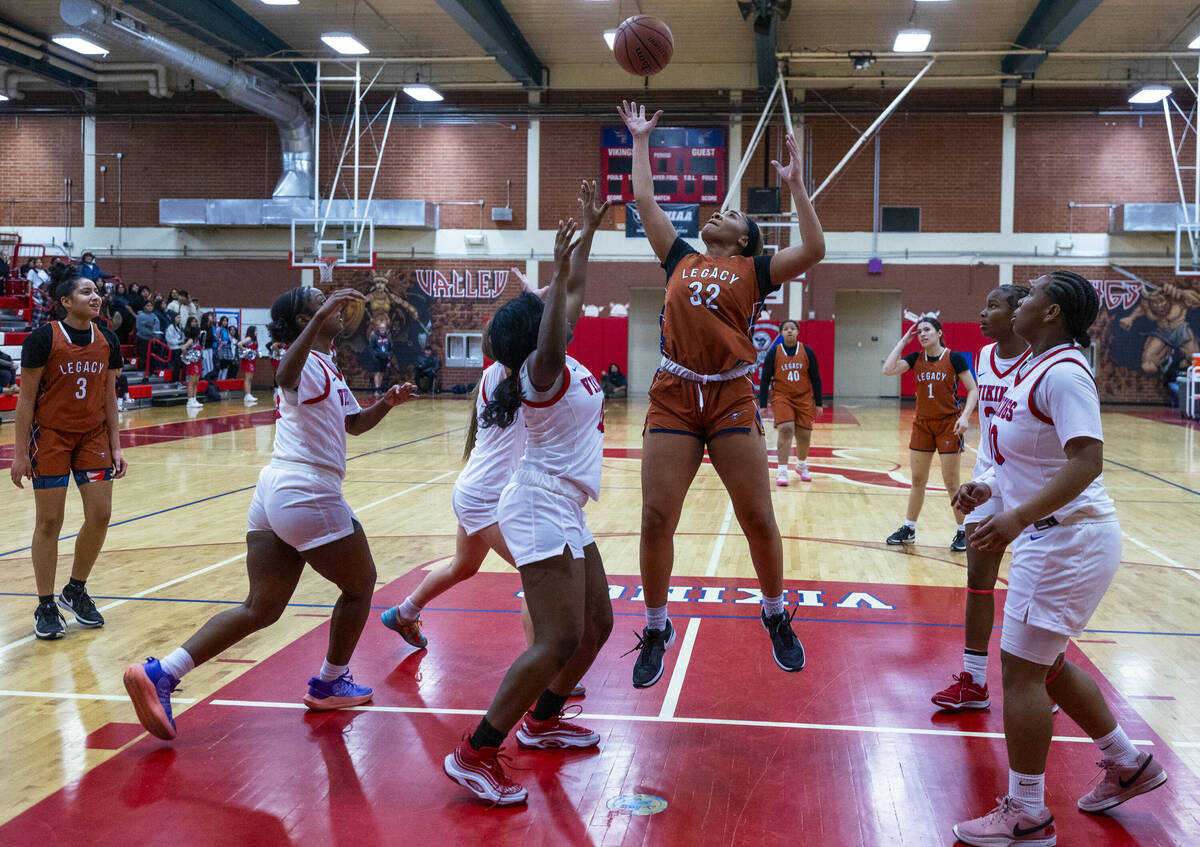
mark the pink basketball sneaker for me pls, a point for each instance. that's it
(1122, 783)
(1008, 823)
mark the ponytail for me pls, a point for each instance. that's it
(512, 336)
(473, 426)
(501, 410)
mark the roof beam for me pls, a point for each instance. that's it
(492, 27)
(1047, 28)
(43, 67)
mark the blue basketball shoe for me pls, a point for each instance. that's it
(341, 693)
(150, 689)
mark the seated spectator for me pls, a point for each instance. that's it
(147, 328)
(8, 374)
(39, 289)
(5, 267)
(613, 382)
(427, 368)
(88, 269)
(379, 347)
(135, 298)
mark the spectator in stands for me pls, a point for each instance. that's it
(88, 269)
(248, 355)
(123, 317)
(427, 368)
(160, 312)
(208, 332)
(148, 329)
(193, 345)
(60, 269)
(224, 354)
(379, 346)
(39, 286)
(174, 338)
(613, 382)
(5, 267)
(8, 375)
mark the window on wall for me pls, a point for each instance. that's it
(464, 349)
(900, 218)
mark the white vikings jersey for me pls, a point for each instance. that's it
(497, 449)
(310, 422)
(1052, 400)
(565, 428)
(994, 376)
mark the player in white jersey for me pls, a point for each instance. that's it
(1048, 451)
(297, 515)
(541, 517)
(995, 368)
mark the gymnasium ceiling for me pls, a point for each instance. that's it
(714, 47)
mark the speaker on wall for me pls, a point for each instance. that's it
(762, 201)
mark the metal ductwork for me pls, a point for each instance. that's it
(264, 97)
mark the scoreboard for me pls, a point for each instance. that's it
(688, 164)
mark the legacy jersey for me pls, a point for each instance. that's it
(71, 395)
(497, 449)
(937, 382)
(565, 429)
(711, 301)
(1052, 400)
(310, 422)
(994, 376)
(790, 380)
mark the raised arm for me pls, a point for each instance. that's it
(591, 212)
(659, 230)
(893, 365)
(790, 263)
(292, 364)
(553, 333)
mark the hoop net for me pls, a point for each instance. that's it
(326, 264)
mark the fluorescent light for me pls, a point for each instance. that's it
(1150, 94)
(610, 37)
(1195, 45)
(931, 1)
(3, 97)
(79, 45)
(345, 43)
(281, 2)
(911, 41)
(423, 93)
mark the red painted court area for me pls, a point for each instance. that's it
(847, 752)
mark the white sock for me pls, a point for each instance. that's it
(331, 672)
(656, 617)
(911, 524)
(1028, 789)
(802, 464)
(1117, 747)
(772, 605)
(976, 666)
(177, 662)
(962, 528)
(409, 610)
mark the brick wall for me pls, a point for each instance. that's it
(36, 155)
(248, 284)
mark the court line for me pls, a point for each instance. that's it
(405, 491)
(60, 695)
(1153, 552)
(1192, 573)
(877, 730)
(675, 686)
(719, 544)
(1152, 476)
(235, 491)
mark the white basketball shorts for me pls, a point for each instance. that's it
(473, 512)
(302, 504)
(539, 516)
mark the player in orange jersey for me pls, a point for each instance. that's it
(702, 395)
(791, 378)
(67, 424)
(940, 423)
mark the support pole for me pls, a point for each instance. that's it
(735, 183)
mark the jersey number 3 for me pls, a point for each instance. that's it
(81, 393)
(698, 292)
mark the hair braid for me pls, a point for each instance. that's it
(1079, 302)
(1015, 294)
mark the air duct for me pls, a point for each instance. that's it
(264, 97)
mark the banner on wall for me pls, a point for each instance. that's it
(1152, 328)
(763, 333)
(467, 285)
(685, 217)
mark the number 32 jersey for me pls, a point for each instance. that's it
(710, 304)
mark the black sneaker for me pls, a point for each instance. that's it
(80, 605)
(786, 648)
(48, 622)
(651, 646)
(959, 544)
(904, 535)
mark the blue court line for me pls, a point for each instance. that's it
(1153, 476)
(639, 615)
(234, 491)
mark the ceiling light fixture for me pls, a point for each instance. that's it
(423, 93)
(610, 37)
(861, 59)
(345, 43)
(912, 41)
(79, 45)
(3, 97)
(1148, 94)
(281, 2)
(1195, 43)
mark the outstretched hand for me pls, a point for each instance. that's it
(635, 118)
(565, 244)
(398, 394)
(337, 301)
(790, 172)
(591, 210)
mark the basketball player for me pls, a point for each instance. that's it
(541, 519)
(297, 515)
(791, 378)
(66, 424)
(939, 424)
(1048, 450)
(702, 395)
(995, 369)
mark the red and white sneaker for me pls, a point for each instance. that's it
(554, 733)
(1120, 784)
(1008, 823)
(781, 475)
(803, 471)
(480, 772)
(963, 694)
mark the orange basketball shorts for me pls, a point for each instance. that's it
(704, 410)
(930, 434)
(800, 410)
(56, 455)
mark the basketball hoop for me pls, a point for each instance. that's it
(326, 265)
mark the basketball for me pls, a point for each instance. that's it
(643, 45)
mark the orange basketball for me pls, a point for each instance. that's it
(644, 45)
